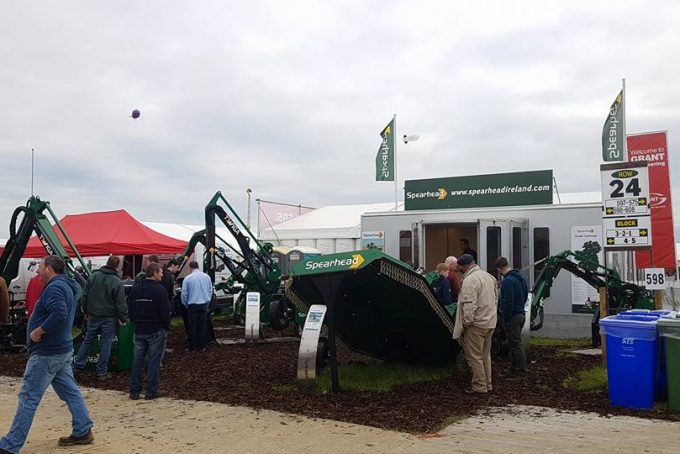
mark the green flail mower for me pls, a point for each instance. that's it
(378, 305)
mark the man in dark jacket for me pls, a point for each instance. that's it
(150, 313)
(168, 281)
(513, 297)
(104, 304)
(50, 352)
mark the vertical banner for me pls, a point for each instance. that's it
(384, 160)
(581, 291)
(653, 148)
(613, 133)
(272, 213)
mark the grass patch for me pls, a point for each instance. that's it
(590, 380)
(381, 378)
(583, 342)
(285, 389)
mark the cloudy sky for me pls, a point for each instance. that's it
(288, 98)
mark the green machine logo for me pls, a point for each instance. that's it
(350, 263)
(501, 189)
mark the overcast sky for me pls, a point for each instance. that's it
(288, 98)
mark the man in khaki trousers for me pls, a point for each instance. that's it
(476, 321)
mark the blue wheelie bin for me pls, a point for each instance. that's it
(632, 352)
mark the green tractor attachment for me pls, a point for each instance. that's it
(378, 306)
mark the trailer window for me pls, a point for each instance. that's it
(517, 248)
(541, 250)
(405, 241)
(493, 248)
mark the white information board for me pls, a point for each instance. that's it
(252, 316)
(626, 220)
(581, 291)
(309, 342)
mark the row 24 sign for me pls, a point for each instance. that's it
(626, 221)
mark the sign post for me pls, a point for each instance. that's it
(252, 316)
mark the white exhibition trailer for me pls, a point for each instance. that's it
(525, 235)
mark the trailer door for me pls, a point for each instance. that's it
(417, 245)
(519, 247)
(493, 238)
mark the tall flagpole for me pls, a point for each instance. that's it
(394, 152)
(625, 139)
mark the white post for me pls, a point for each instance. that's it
(32, 167)
(394, 153)
(625, 139)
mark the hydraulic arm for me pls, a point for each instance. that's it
(34, 220)
(584, 264)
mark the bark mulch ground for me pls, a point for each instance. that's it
(263, 376)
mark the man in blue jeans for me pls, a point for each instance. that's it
(104, 304)
(150, 313)
(50, 350)
(197, 291)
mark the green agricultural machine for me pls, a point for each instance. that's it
(251, 265)
(35, 217)
(377, 304)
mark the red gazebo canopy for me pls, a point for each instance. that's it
(108, 232)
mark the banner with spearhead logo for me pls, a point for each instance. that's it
(613, 135)
(384, 160)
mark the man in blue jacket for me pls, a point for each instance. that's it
(513, 297)
(50, 350)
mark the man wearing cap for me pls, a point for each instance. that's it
(476, 321)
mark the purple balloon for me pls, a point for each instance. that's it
(135, 114)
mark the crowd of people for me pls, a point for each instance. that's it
(52, 304)
(484, 306)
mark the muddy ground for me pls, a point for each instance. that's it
(264, 375)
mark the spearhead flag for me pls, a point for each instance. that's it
(384, 160)
(613, 135)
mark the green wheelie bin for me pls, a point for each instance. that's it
(669, 331)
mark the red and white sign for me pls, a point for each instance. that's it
(272, 213)
(653, 148)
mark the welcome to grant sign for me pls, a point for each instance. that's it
(493, 190)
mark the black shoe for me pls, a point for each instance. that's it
(134, 396)
(153, 396)
(72, 440)
(4, 451)
(103, 377)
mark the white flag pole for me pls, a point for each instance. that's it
(625, 139)
(394, 157)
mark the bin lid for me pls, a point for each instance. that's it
(669, 327)
(636, 326)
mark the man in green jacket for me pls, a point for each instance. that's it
(104, 305)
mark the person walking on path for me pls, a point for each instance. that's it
(150, 314)
(197, 292)
(476, 320)
(104, 305)
(513, 297)
(50, 350)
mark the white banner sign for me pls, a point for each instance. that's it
(252, 316)
(581, 291)
(309, 342)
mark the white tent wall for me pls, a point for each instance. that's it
(330, 229)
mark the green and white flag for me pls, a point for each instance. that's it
(384, 160)
(613, 134)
